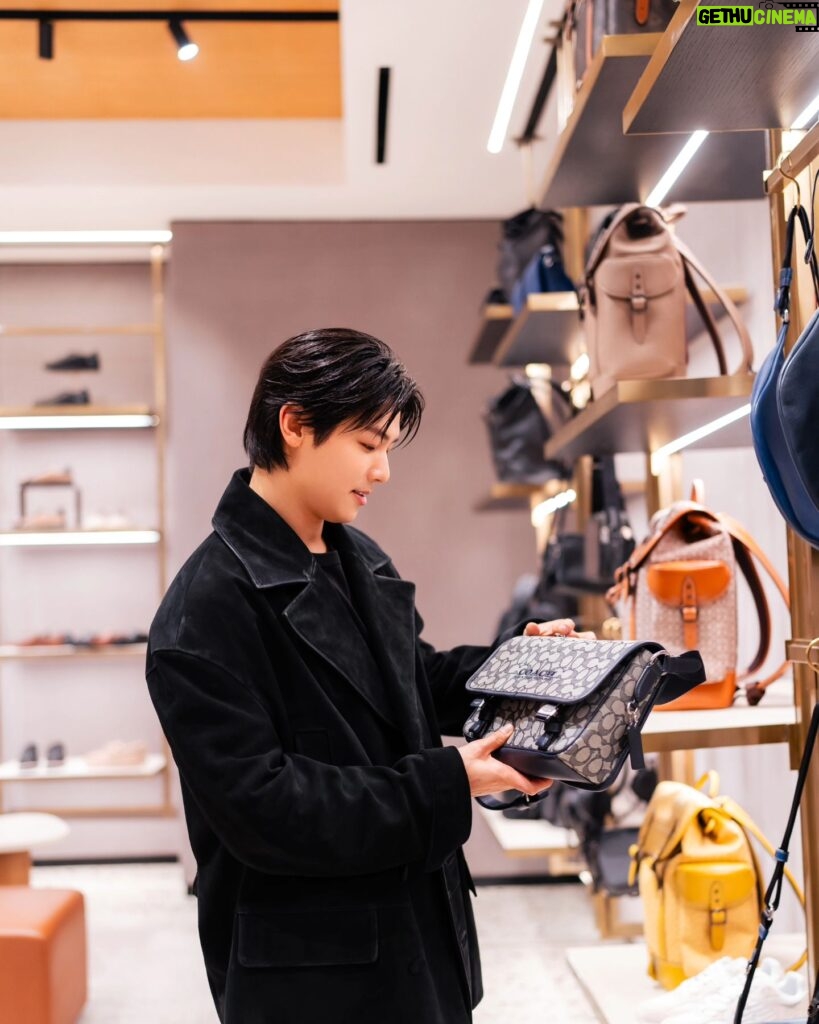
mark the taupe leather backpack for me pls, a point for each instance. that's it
(633, 302)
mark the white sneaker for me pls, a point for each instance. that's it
(690, 992)
(770, 999)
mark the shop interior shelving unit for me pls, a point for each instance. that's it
(652, 86)
(143, 418)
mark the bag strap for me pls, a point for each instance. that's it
(782, 304)
(745, 550)
(492, 803)
(691, 263)
(774, 890)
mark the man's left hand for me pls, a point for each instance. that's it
(557, 627)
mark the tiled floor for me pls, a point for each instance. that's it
(146, 967)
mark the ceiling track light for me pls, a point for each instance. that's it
(45, 39)
(185, 49)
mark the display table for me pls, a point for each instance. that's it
(615, 980)
(18, 834)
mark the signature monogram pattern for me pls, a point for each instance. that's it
(592, 685)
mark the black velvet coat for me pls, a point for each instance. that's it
(325, 816)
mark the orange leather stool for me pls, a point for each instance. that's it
(43, 960)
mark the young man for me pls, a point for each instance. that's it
(304, 712)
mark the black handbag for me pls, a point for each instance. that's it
(518, 430)
(586, 562)
(523, 236)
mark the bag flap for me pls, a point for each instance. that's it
(554, 669)
(716, 884)
(695, 582)
(651, 276)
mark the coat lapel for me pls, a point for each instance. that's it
(323, 620)
(387, 605)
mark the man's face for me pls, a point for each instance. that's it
(337, 478)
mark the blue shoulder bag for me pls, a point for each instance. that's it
(785, 403)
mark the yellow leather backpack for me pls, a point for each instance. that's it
(699, 879)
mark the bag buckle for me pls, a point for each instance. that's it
(638, 303)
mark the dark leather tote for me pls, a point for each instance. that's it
(586, 562)
(518, 431)
(785, 401)
(523, 236)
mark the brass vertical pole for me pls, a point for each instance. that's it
(803, 567)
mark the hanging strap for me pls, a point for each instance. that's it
(774, 890)
(691, 263)
(782, 304)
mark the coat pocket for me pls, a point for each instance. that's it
(308, 938)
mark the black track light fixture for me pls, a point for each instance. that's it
(46, 39)
(185, 48)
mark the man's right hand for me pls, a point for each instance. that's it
(488, 775)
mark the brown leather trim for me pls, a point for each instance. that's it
(688, 583)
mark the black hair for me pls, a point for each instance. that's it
(335, 375)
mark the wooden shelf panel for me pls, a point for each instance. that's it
(549, 330)
(642, 416)
(46, 652)
(724, 78)
(496, 321)
(34, 412)
(78, 331)
(76, 769)
(507, 497)
(595, 164)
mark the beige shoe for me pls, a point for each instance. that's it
(117, 754)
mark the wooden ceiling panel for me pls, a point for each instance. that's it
(129, 69)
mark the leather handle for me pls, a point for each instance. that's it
(707, 318)
(746, 365)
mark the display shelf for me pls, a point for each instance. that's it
(741, 725)
(46, 652)
(75, 769)
(549, 329)
(496, 321)
(642, 416)
(68, 538)
(529, 837)
(722, 79)
(594, 164)
(78, 411)
(505, 497)
(615, 978)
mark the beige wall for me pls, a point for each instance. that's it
(238, 290)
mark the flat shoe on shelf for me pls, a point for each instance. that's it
(117, 754)
(29, 759)
(67, 398)
(43, 521)
(75, 361)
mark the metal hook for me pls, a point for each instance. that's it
(812, 646)
(790, 177)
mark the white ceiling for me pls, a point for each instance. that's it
(449, 61)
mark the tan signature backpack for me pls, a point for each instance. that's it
(681, 589)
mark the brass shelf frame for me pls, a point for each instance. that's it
(155, 332)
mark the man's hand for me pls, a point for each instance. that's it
(488, 775)
(557, 627)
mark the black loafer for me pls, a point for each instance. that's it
(28, 759)
(56, 755)
(75, 361)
